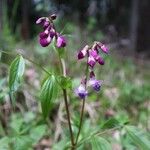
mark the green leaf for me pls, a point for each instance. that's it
(99, 143)
(48, 94)
(16, 124)
(138, 137)
(64, 82)
(4, 143)
(111, 123)
(21, 142)
(16, 72)
(37, 133)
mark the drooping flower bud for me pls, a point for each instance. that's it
(81, 92)
(83, 52)
(96, 84)
(100, 60)
(91, 61)
(92, 74)
(61, 41)
(104, 49)
(44, 21)
(93, 53)
(43, 35)
(53, 16)
(45, 41)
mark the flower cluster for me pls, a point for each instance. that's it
(49, 32)
(93, 53)
(93, 56)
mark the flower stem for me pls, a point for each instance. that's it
(63, 67)
(83, 105)
(81, 120)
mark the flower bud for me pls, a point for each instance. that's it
(45, 41)
(92, 74)
(100, 60)
(104, 49)
(93, 53)
(91, 61)
(43, 35)
(83, 52)
(96, 84)
(81, 92)
(61, 41)
(53, 16)
(44, 21)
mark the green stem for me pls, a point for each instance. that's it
(82, 109)
(63, 67)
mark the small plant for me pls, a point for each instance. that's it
(90, 53)
(49, 90)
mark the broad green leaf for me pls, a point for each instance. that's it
(64, 82)
(16, 124)
(16, 73)
(111, 123)
(48, 94)
(4, 143)
(99, 143)
(37, 133)
(21, 142)
(138, 137)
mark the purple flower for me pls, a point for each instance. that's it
(92, 74)
(100, 60)
(93, 53)
(96, 84)
(83, 52)
(104, 49)
(91, 61)
(61, 41)
(81, 92)
(44, 21)
(53, 16)
(45, 41)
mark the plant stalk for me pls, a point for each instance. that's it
(63, 67)
(83, 105)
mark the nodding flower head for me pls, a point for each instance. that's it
(45, 40)
(82, 53)
(49, 32)
(91, 61)
(61, 41)
(53, 16)
(96, 84)
(100, 60)
(44, 21)
(102, 47)
(81, 91)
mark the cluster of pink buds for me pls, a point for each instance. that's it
(93, 53)
(93, 56)
(49, 32)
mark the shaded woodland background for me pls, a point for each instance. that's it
(126, 19)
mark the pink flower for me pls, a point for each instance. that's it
(61, 41)
(45, 41)
(91, 61)
(100, 60)
(83, 52)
